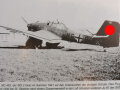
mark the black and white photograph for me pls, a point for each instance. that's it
(59, 40)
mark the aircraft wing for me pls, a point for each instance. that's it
(42, 34)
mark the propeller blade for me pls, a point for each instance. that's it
(24, 20)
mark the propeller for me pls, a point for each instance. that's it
(25, 20)
(28, 25)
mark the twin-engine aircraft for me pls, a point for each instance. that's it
(55, 32)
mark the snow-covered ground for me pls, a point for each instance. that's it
(81, 62)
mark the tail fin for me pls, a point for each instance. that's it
(112, 40)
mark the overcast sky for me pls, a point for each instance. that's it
(76, 14)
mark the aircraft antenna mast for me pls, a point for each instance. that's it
(90, 32)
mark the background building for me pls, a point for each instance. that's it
(10, 39)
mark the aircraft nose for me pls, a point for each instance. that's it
(32, 27)
(28, 25)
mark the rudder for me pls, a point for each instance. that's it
(112, 40)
